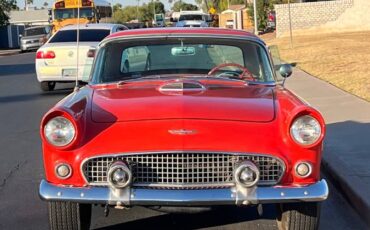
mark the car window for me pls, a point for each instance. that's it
(138, 57)
(192, 17)
(121, 28)
(35, 31)
(90, 35)
(72, 13)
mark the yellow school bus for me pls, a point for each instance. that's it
(91, 11)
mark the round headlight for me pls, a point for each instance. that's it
(305, 130)
(59, 131)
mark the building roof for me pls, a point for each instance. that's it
(183, 31)
(236, 7)
(30, 16)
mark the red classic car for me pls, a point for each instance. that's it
(183, 117)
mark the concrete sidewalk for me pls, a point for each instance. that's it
(347, 144)
(9, 52)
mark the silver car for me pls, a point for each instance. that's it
(34, 37)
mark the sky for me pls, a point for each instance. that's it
(39, 3)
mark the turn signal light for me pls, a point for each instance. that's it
(60, 4)
(45, 55)
(86, 3)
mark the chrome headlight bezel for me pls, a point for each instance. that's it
(64, 130)
(306, 130)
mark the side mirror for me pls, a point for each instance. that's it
(286, 70)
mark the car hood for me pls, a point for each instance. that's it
(134, 102)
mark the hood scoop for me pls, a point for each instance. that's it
(181, 86)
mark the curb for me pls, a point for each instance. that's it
(351, 186)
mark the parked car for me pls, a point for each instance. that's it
(200, 121)
(192, 19)
(56, 60)
(34, 37)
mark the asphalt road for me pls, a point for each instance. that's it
(22, 105)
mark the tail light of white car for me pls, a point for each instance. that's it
(49, 54)
(91, 53)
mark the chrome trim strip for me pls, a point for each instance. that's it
(256, 40)
(257, 195)
(282, 162)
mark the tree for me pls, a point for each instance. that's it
(143, 13)
(117, 6)
(180, 5)
(5, 7)
(263, 7)
(126, 14)
(147, 10)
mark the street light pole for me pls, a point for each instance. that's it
(255, 16)
(153, 10)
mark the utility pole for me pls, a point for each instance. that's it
(255, 16)
(290, 26)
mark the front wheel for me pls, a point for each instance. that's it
(47, 86)
(68, 215)
(304, 216)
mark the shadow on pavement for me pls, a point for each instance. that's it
(35, 96)
(346, 158)
(17, 69)
(217, 217)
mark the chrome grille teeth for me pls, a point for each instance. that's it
(183, 170)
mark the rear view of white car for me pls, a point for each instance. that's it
(192, 19)
(56, 61)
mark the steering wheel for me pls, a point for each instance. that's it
(246, 74)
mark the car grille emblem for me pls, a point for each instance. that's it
(182, 131)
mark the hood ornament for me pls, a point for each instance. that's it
(182, 131)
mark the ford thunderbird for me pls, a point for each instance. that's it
(183, 118)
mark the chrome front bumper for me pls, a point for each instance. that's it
(198, 197)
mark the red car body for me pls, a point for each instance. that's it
(137, 117)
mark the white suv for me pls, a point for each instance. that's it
(193, 19)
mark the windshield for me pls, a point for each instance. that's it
(72, 13)
(192, 17)
(35, 31)
(119, 60)
(90, 35)
(158, 17)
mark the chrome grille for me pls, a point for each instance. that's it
(183, 169)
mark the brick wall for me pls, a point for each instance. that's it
(309, 14)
